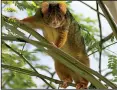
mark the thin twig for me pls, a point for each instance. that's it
(25, 44)
(107, 38)
(112, 52)
(92, 8)
(100, 44)
(52, 75)
(102, 48)
(108, 73)
(103, 41)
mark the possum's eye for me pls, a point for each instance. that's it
(63, 7)
(45, 6)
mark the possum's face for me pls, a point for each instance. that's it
(54, 13)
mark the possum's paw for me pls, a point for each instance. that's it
(81, 85)
(65, 83)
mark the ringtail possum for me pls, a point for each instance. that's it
(60, 28)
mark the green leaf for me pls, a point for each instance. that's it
(10, 10)
(112, 64)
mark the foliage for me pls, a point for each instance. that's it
(11, 58)
(112, 64)
(15, 80)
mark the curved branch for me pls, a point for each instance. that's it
(107, 38)
(14, 38)
(108, 17)
(102, 48)
(103, 41)
(92, 8)
(32, 73)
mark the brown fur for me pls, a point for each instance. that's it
(62, 30)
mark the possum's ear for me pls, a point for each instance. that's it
(44, 6)
(63, 7)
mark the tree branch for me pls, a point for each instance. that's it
(102, 48)
(24, 27)
(108, 17)
(25, 44)
(100, 44)
(32, 73)
(52, 75)
(103, 41)
(92, 8)
(112, 52)
(14, 38)
(107, 38)
(108, 73)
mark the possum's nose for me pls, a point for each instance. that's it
(54, 22)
